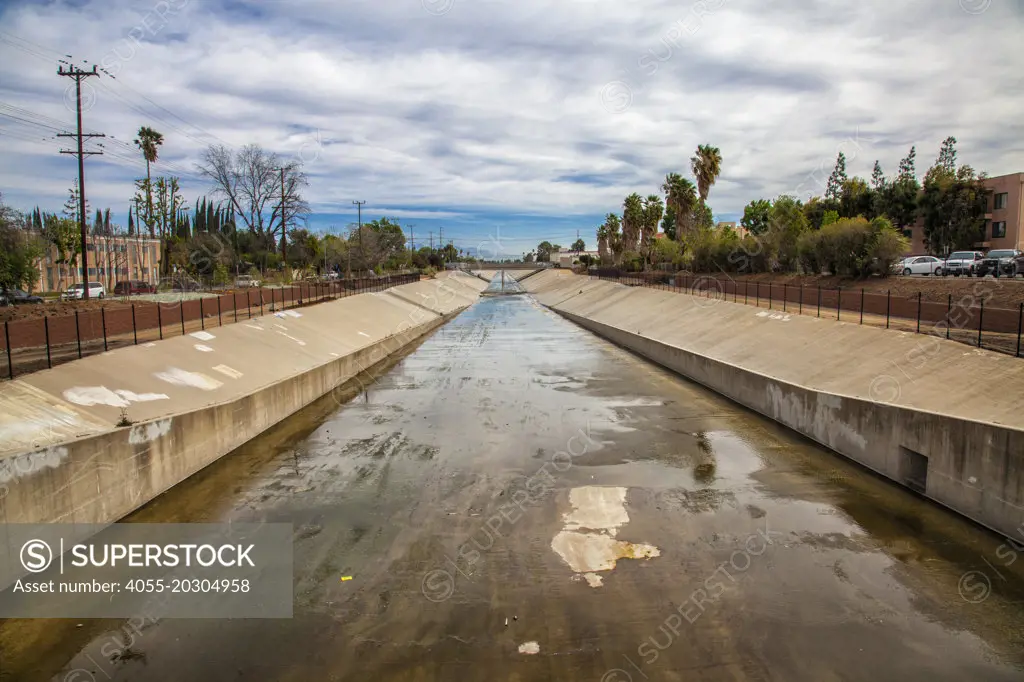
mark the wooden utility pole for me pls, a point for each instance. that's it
(78, 75)
(362, 251)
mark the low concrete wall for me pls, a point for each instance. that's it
(190, 407)
(931, 424)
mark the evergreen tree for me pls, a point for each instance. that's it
(838, 178)
(907, 169)
(947, 155)
(877, 177)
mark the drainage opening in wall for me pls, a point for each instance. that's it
(913, 470)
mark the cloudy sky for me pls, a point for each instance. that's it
(505, 122)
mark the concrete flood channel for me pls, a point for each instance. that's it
(518, 499)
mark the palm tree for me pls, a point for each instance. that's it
(707, 166)
(149, 142)
(602, 242)
(614, 236)
(632, 221)
(653, 210)
(681, 197)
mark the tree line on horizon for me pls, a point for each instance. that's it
(239, 228)
(857, 228)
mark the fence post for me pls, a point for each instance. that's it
(785, 295)
(770, 297)
(819, 300)
(888, 302)
(234, 304)
(46, 330)
(839, 302)
(78, 335)
(248, 305)
(1020, 319)
(103, 323)
(746, 285)
(135, 329)
(160, 320)
(862, 305)
(181, 314)
(949, 317)
(981, 315)
(919, 312)
(757, 290)
(261, 301)
(220, 322)
(801, 312)
(7, 343)
(202, 315)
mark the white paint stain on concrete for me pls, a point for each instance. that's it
(13, 468)
(821, 420)
(281, 326)
(228, 371)
(147, 433)
(529, 648)
(181, 377)
(292, 313)
(597, 508)
(587, 542)
(298, 341)
(366, 335)
(202, 349)
(101, 395)
(203, 336)
(149, 345)
(253, 326)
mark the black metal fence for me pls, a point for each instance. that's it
(967, 319)
(36, 343)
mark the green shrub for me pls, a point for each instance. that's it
(852, 247)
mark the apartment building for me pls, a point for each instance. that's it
(111, 260)
(1004, 222)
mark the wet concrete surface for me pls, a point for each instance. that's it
(440, 482)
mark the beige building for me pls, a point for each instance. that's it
(1004, 222)
(111, 260)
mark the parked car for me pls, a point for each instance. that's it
(997, 262)
(18, 297)
(962, 263)
(246, 281)
(77, 291)
(181, 283)
(923, 265)
(132, 287)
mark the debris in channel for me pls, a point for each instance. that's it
(529, 648)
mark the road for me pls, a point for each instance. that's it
(517, 499)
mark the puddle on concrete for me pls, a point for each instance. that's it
(587, 543)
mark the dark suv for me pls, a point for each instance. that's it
(132, 287)
(999, 262)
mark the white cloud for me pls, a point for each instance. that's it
(494, 106)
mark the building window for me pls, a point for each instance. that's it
(1001, 200)
(999, 229)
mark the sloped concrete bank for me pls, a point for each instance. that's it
(915, 409)
(192, 399)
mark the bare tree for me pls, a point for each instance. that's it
(250, 180)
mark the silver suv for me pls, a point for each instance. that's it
(962, 263)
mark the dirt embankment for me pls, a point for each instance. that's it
(997, 293)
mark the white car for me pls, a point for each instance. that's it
(76, 292)
(923, 265)
(246, 282)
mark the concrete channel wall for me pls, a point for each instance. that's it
(191, 399)
(941, 418)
